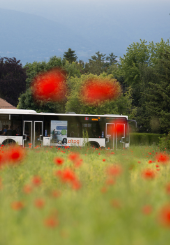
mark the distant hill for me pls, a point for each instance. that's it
(31, 38)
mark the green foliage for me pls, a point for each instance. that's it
(99, 63)
(137, 54)
(130, 212)
(142, 69)
(144, 138)
(143, 74)
(123, 105)
(73, 69)
(164, 142)
(26, 101)
(96, 64)
(158, 93)
(156, 51)
(85, 139)
(70, 56)
(32, 69)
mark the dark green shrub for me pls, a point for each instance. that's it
(144, 138)
(164, 142)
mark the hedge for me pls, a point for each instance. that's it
(144, 138)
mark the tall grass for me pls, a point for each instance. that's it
(106, 208)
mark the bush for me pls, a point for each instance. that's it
(164, 142)
(144, 138)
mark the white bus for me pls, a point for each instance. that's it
(29, 128)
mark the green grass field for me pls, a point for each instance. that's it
(95, 196)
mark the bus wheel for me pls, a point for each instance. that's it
(94, 144)
(64, 141)
(8, 142)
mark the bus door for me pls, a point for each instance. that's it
(32, 133)
(110, 136)
(27, 133)
(120, 135)
(38, 133)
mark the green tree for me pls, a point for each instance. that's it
(158, 94)
(96, 64)
(111, 58)
(138, 69)
(26, 101)
(70, 56)
(32, 69)
(73, 69)
(137, 54)
(123, 105)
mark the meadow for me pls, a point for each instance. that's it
(84, 196)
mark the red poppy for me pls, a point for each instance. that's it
(162, 158)
(51, 222)
(17, 205)
(148, 174)
(119, 128)
(104, 160)
(56, 193)
(95, 91)
(36, 180)
(116, 128)
(103, 189)
(114, 170)
(58, 173)
(116, 203)
(76, 185)
(73, 156)
(147, 209)
(58, 160)
(150, 161)
(164, 215)
(16, 154)
(78, 163)
(39, 203)
(110, 181)
(50, 86)
(66, 175)
(27, 189)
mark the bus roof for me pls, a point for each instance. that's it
(23, 111)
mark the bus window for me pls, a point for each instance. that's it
(10, 127)
(93, 130)
(47, 128)
(74, 130)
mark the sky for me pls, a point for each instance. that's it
(92, 18)
(58, 10)
(45, 7)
